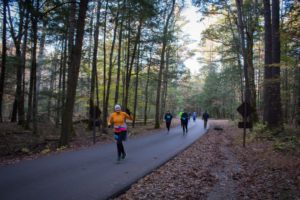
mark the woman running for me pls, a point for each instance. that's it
(118, 119)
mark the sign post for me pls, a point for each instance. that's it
(245, 110)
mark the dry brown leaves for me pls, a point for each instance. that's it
(218, 167)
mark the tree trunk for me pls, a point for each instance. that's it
(40, 61)
(21, 113)
(125, 73)
(147, 87)
(251, 75)
(165, 85)
(3, 64)
(104, 117)
(94, 62)
(298, 97)
(71, 31)
(119, 57)
(129, 70)
(241, 29)
(52, 80)
(59, 95)
(73, 76)
(137, 70)
(268, 60)
(105, 111)
(275, 110)
(161, 67)
(237, 52)
(17, 41)
(64, 74)
(32, 102)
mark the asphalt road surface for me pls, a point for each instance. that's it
(94, 173)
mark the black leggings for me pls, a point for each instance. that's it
(168, 124)
(120, 148)
(205, 123)
(119, 139)
(184, 127)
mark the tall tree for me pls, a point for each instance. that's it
(104, 116)
(162, 63)
(32, 99)
(105, 111)
(73, 75)
(133, 56)
(298, 97)
(137, 71)
(94, 59)
(119, 54)
(268, 59)
(147, 85)
(3, 64)
(241, 28)
(18, 107)
(275, 105)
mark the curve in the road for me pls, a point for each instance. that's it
(93, 173)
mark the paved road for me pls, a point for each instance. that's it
(93, 173)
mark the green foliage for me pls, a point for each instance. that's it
(283, 140)
(286, 143)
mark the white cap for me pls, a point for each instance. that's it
(117, 107)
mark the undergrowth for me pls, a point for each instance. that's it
(286, 139)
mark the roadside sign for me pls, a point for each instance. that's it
(245, 125)
(245, 109)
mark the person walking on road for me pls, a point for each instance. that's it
(168, 119)
(184, 121)
(205, 117)
(118, 119)
(194, 116)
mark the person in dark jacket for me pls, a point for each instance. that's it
(205, 117)
(184, 121)
(95, 116)
(168, 119)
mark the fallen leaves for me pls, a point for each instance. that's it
(217, 167)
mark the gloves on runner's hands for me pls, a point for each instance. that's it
(128, 111)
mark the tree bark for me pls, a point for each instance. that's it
(59, 95)
(275, 119)
(165, 85)
(125, 73)
(73, 76)
(241, 29)
(21, 112)
(3, 64)
(129, 69)
(105, 111)
(268, 60)
(161, 67)
(32, 99)
(94, 59)
(40, 61)
(137, 70)
(71, 31)
(147, 87)
(251, 74)
(17, 41)
(298, 96)
(104, 117)
(119, 56)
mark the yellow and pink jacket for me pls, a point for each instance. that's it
(119, 121)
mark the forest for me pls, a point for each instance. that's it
(63, 59)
